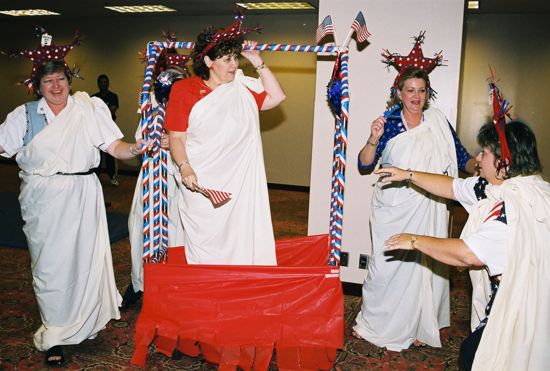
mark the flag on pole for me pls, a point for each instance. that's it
(360, 27)
(324, 29)
(218, 198)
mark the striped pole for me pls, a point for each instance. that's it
(339, 166)
(261, 47)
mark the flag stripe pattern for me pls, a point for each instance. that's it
(360, 27)
(217, 198)
(324, 29)
(497, 213)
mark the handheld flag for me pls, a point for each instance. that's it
(218, 198)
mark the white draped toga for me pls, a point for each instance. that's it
(224, 148)
(66, 224)
(406, 294)
(517, 333)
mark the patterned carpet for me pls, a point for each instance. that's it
(113, 348)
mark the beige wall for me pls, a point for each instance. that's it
(111, 46)
(518, 48)
(370, 82)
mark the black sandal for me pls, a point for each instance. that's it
(55, 352)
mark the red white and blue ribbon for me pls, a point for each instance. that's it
(155, 232)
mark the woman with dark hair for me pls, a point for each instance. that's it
(507, 236)
(406, 296)
(215, 142)
(56, 140)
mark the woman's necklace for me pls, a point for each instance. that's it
(407, 125)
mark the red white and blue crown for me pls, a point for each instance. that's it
(415, 59)
(234, 31)
(45, 52)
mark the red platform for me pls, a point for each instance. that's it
(239, 315)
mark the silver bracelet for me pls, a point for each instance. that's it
(261, 66)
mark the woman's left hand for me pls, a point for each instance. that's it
(253, 56)
(400, 241)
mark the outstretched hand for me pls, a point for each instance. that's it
(401, 241)
(142, 144)
(391, 174)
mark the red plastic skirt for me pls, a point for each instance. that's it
(237, 316)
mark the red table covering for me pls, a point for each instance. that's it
(236, 316)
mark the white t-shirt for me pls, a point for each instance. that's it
(488, 242)
(13, 130)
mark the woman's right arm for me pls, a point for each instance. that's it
(436, 184)
(178, 139)
(367, 154)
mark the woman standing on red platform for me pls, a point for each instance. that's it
(213, 120)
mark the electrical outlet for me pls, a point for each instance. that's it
(363, 261)
(344, 258)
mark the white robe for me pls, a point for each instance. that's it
(66, 228)
(224, 148)
(518, 330)
(135, 219)
(407, 298)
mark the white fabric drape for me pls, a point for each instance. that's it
(66, 228)
(406, 295)
(224, 148)
(518, 330)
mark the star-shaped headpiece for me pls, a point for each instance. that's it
(415, 59)
(46, 51)
(501, 108)
(168, 56)
(234, 31)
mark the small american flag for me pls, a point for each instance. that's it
(324, 29)
(218, 198)
(360, 27)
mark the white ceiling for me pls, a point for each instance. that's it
(95, 8)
